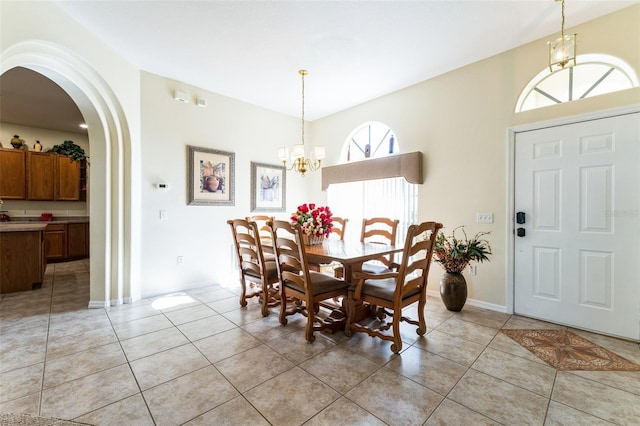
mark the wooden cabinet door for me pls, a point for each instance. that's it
(68, 184)
(41, 176)
(77, 240)
(13, 173)
(55, 241)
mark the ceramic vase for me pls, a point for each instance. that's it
(453, 290)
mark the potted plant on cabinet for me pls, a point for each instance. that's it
(454, 254)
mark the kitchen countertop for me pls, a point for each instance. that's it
(56, 220)
(24, 226)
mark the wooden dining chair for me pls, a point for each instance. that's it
(391, 292)
(265, 234)
(261, 275)
(379, 230)
(307, 288)
(339, 227)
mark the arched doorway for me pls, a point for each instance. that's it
(113, 274)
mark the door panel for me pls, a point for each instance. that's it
(579, 261)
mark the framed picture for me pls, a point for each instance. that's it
(210, 176)
(268, 188)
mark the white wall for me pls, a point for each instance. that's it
(48, 138)
(200, 233)
(460, 121)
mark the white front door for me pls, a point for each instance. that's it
(578, 259)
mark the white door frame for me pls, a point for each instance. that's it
(512, 131)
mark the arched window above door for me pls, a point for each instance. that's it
(593, 75)
(369, 140)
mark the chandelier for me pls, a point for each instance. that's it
(562, 51)
(300, 163)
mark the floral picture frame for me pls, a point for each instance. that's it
(210, 176)
(268, 187)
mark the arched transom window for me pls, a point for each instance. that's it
(592, 76)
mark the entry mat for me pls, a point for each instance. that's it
(564, 350)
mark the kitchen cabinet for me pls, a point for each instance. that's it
(41, 176)
(55, 241)
(77, 240)
(68, 179)
(22, 253)
(13, 174)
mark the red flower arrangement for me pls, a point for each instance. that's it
(314, 220)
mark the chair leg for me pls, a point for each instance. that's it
(266, 294)
(396, 346)
(243, 294)
(422, 326)
(350, 306)
(308, 334)
(283, 306)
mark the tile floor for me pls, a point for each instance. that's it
(196, 358)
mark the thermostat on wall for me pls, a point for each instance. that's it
(162, 186)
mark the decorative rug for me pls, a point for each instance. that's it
(12, 419)
(564, 350)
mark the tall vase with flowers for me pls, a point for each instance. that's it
(454, 254)
(315, 222)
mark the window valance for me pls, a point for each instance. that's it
(408, 166)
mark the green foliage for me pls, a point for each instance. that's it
(71, 149)
(454, 254)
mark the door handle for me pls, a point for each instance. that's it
(521, 232)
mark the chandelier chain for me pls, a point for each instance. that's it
(562, 28)
(303, 73)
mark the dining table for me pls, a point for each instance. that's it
(351, 254)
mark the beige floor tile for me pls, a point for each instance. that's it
(291, 398)
(248, 314)
(296, 349)
(131, 411)
(468, 330)
(164, 366)
(605, 402)
(252, 367)
(190, 313)
(226, 344)
(78, 325)
(22, 349)
(205, 327)
(395, 399)
(188, 397)
(215, 295)
(173, 302)
(72, 343)
(433, 371)
(344, 413)
(73, 399)
(340, 368)
(80, 364)
(374, 349)
(269, 328)
(450, 413)
(529, 375)
(483, 317)
(454, 348)
(562, 415)
(138, 327)
(519, 322)
(225, 305)
(20, 382)
(29, 404)
(132, 313)
(149, 344)
(624, 380)
(235, 412)
(499, 400)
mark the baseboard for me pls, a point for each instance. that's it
(474, 302)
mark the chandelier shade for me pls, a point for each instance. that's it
(562, 51)
(299, 161)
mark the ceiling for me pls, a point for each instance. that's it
(355, 51)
